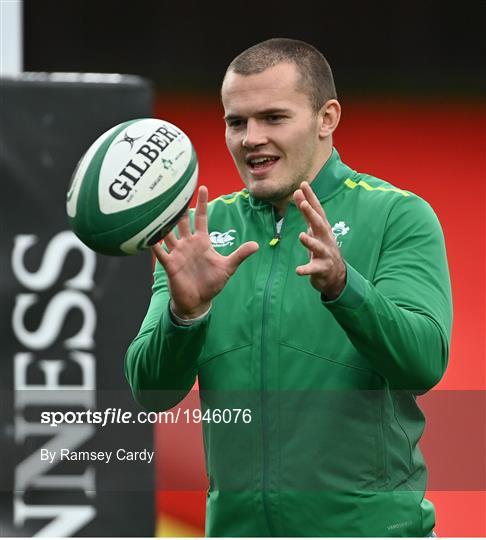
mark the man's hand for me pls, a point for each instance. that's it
(195, 270)
(326, 267)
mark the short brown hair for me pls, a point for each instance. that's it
(316, 74)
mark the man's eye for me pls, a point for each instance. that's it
(275, 117)
(235, 123)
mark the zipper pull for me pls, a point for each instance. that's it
(274, 241)
(278, 227)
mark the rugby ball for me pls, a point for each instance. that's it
(132, 186)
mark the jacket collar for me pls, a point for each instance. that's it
(328, 180)
(331, 177)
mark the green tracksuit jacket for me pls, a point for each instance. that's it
(331, 449)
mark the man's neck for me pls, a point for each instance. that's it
(281, 206)
(280, 210)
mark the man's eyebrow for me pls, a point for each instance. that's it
(264, 112)
(274, 110)
(228, 117)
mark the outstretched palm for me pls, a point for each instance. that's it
(195, 270)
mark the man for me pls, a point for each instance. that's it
(324, 309)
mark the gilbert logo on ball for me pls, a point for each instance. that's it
(132, 186)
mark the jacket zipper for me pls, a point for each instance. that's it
(277, 232)
(268, 287)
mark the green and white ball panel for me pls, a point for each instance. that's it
(80, 171)
(131, 184)
(148, 140)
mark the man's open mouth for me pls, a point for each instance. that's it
(262, 163)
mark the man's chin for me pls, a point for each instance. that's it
(261, 189)
(261, 194)
(267, 195)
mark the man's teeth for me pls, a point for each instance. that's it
(257, 161)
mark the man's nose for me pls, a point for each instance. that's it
(255, 134)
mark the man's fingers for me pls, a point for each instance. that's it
(311, 197)
(309, 194)
(314, 220)
(170, 240)
(201, 215)
(161, 254)
(307, 269)
(299, 197)
(312, 244)
(305, 193)
(238, 256)
(184, 226)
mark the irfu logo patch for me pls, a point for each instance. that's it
(340, 229)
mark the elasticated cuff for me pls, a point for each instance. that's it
(354, 292)
(170, 322)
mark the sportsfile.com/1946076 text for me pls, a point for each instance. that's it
(113, 415)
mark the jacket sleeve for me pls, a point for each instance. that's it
(401, 321)
(161, 362)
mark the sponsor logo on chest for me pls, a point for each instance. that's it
(222, 239)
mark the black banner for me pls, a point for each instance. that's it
(67, 317)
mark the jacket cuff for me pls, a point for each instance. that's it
(172, 321)
(354, 292)
(178, 321)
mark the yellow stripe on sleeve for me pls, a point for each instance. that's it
(351, 184)
(231, 200)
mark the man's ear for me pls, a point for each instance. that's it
(329, 116)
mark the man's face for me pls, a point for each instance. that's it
(272, 131)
